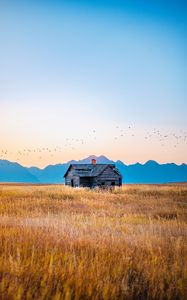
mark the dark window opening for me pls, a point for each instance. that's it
(86, 181)
(72, 183)
(113, 183)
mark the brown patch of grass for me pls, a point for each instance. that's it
(63, 243)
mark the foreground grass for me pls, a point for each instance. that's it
(62, 243)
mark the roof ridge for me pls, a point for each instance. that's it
(79, 164)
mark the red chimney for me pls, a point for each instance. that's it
(94, 161)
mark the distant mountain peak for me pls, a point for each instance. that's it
(119, 162)
(14, 172)
(151, 163)
(97, 157)
(92, 157)
(100, 160)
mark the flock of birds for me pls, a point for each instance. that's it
(120, 133)
(155, 134)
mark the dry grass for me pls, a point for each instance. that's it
(62, 243)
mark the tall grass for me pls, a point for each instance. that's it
(63, 243)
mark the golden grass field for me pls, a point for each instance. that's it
(63, 243)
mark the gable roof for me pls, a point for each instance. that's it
(90, 170)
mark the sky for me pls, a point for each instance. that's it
(93, 77)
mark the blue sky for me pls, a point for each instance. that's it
(70, 68)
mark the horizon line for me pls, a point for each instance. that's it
(97, 157)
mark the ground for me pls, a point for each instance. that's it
(62, 243)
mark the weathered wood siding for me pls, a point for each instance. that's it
(71, 179)
(107, 178)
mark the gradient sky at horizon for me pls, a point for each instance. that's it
(74, 75)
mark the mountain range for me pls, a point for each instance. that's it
(150, 172)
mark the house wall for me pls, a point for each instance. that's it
(71, 178)
(107, 177)
(72, 181)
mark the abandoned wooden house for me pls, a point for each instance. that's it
(93, 175)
